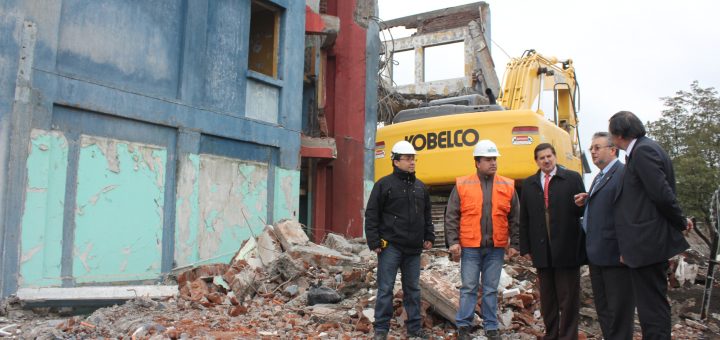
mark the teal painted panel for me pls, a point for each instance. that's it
(287, 194)
(42, 221)
(119, 211)
(233, 205)
(187, 216)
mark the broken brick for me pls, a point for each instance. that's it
(215, 298)
(198, 289)
(238, 310)
(205, 272)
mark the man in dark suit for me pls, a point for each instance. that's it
(611, 283)
(648, 221)
(550, 233)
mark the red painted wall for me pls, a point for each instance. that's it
(346, 118)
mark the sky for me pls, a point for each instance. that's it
(627, 54)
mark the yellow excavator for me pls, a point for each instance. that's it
(444, 133)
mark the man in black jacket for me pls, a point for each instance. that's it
(648, 221)
(398, 226)
(551, 234)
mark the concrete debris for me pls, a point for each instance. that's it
(510, 293)
(505, 281)
(290, 233)
(322, 257)
(506, 319)
(268, 246)
(339, 243)
(685, 272)
(369, 314)
(271, 290)
(291, 290)
(287, 267)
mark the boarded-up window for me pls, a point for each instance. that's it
(264, 39)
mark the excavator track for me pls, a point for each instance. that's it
(438, 219)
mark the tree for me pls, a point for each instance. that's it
(689, 130)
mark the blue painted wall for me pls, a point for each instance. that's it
(161, 90)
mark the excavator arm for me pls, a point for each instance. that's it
(532, 74)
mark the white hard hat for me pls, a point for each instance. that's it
(403, 147)
(486, 148)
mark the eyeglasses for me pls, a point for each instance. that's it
(408, 159)
(598, 147)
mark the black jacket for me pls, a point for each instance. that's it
(566, 246)
(399, 212)
(648, 219)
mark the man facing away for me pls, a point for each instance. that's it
(482, 212)
(611, 283)
(398, 226)
(648, 221)
(550, 232)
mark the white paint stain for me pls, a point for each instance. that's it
(84, 256)
(93, 200)
(125, 252)
(108, 147)
(27, 256)
(156, 166)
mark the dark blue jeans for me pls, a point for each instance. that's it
(389, 261)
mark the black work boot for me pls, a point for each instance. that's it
(493, 334)
(380, 335)
(464, 333)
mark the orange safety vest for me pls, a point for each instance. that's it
(471, 202)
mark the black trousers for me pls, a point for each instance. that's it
(650, 286)
(614, 300)
(560, 302)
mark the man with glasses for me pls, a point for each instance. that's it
(398, 226)
(611, 283)
(482, 213)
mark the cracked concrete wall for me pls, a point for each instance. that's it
(119, 210)
(42, 221)
(221, 202)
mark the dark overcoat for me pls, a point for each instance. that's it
(648, 218)
(565, 246)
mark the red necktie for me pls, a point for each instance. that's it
(546, 189)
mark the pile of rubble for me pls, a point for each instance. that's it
(280, 285)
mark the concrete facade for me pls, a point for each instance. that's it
(142, 137)
(467, 24)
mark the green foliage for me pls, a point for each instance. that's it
(689, 130)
